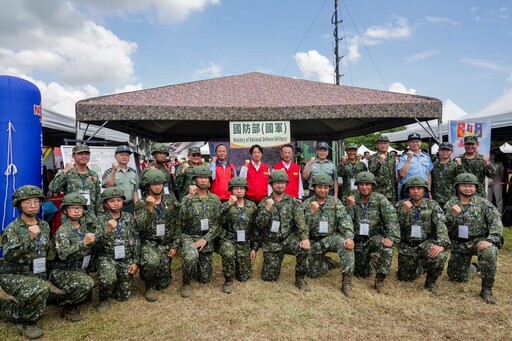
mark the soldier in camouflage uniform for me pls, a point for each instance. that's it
(473, 162)
(281, 229)
(117, 247)
(376, 230)
(78, 178)
(383, 165)
(159, 232)
(25, 244)
(330, 230)
(160, 152)
(424, 237)
(443, 175)
(200, 223)
(71, 255)
(475, 228)
(236, 245)
(184, 173)
(349, 168)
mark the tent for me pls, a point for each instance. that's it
(362, 149)
(506, 148)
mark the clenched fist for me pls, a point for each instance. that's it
(456, 210)
(34, 231)
(114, 166)
(111, 225)
(185, 167)
(89, 239)
(382, 158)
(269, 203)
(214, 159)
(192, 190)
(314, 206)
(246, 163)
(69, 166)
(311, 160)
(232, 199)
(351, 201)
(410, 154)
(150, 203)
(407, 206)
(458, 160)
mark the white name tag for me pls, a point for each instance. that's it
(119, 252)
(463, 231)
(204, 225)
(86, 261)
(139, 192)
(353, 186)
(39, 265)
(240, 236)
(166, 190)
(160, 230)
(323, 226)
(364, 229)
(87, 196)
(275, 226)
(416, 231)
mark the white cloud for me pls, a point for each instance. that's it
(129, 88)
(508, 83)
(442, 21)
(399, 87)
(315, 66)
(422, 55)
(211, 70)
(486, 65)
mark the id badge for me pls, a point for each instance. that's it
(39, 265)
(160, 230)
(240, 236)
(204, 224)
(275, 226)
(87, 195)
(119, 252)
(86, 261)
(364, 228)
(166, 190)
(463, 231)
(323, 226)
(353, 186)
(416, 229)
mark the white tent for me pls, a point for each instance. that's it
(506, 148)
(435, 148)
(363, 149)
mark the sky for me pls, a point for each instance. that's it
(456, 50)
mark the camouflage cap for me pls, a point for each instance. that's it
(194, 150)
(74, 199)
(237, 181)
(278, 176)
(466, 178)
(384, 138)
(351, 146)
(154, 176)
(26, 192)
(123, 148)
(159, 148)
(322, 179)
(112, 192)
(81, 148)
(416, 181)
(366, 177)
(446, 145)
(201, 172)
(470, 140)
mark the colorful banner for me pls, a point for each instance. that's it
(265, 133)
(459, 129)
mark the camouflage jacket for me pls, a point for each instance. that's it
(144, 186)
(183, 180)
(385, 175)
(443, 176)
(477, 167)
(236, 218)
(164, 213)
(338, 219)
(67, 248)
(379, 213)
(349, 171)
(480, 216)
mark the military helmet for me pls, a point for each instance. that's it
(159, 147)
(366, 177)
(73, 199)
(237, 181)
(278, 176)
(416, 181)
(466, 178)
(26, 192)
(201, 172)
(322, 179)
(113, 192)
(154, 176)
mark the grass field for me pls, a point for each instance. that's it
(258, 310)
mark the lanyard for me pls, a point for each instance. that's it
(119, 228)
(417, 212)
(240, 215)
(83, 179)
(159, 211)
(80, 234)
(365, 210)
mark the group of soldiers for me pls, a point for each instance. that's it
(99, 233)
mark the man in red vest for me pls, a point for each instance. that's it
(222, 172)
(294, 186)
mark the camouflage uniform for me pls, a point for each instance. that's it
(348, 172)
(443, 176)
(183, 180)
(144, 185)
(385, 175)
(477, 167)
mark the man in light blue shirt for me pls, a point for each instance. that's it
(415, 163)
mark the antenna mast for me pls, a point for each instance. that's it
(337, 40)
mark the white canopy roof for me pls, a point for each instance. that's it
(506, 148)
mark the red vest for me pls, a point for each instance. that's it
(257, 181)
(292, 188)
(219, 186)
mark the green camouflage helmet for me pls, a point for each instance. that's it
(366, 177)
(322, 179)
(466, 178)
(159, 147)
(73, 199)
(278, 176)
(237, 181)
(154, 176)
(26, 192)
(416, 181)
(113, 192)
(201, 172)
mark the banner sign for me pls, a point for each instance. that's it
(265, 133)
(459, 129)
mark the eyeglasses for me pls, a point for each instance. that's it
(75, 208)
(33, 202)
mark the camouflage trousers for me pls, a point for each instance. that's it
(372, 251)
(31, 294)
(114, 278)
(77, 286)
(333, 243)
(196, 264)
(235, 260)
(273, 254)
(460, 260)
(413, 260)
(155, 267)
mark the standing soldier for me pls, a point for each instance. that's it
(330, 230)
(184, 173)
(350, 167)
(376, 229)
(424, 238)
(322, 165)
(282, 230)
(25, 243)
(473, 162)
(78, 178)
(294, 186)
(414, 163)
(160, 152)
(443, 175)
(157, 221)
(222, 172)
(383, 165)
(117, 247)
(71, 250)
(123, 176)
(237, 247)
(475, 228)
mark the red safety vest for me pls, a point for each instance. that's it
(219, 186)
(292, 188)
(257, 181)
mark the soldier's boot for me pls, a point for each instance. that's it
(103, 305)
(71, 313)
(379, 283)
(331, 263)
(227, 288)
(346, 286)
(150, 292)
(186, 289)
(300, 282)
(430, 285)
(474, 268)
(486, 292)
(30, 331)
